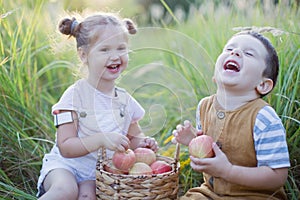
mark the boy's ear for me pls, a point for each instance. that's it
(82, 55)
(265, 86)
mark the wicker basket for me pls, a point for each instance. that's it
(147, 187)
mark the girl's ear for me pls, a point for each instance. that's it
(265, 86)
(213, 79)
(82, 55)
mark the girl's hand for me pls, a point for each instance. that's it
(149, 142)
(218, 166)
(116, 142)
(184, 133)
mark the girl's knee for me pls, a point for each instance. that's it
(87, 196)
(68, 192)
(59, 183)
(60, 192)
(87, 190)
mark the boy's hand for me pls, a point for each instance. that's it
(218, 166)
(150, 143)
(184, 133)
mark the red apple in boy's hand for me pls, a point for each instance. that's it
(201, 147)
(160, 166)
(123, 160)
(140, 168)
(144, 155)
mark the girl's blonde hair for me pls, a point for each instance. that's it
(84, 32)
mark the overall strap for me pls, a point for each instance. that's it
(123, 100)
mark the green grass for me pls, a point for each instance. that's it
(170, 70)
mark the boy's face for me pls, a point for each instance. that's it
(241, 64)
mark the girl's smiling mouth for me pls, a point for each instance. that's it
(114, 67)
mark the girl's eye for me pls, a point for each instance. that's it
(122, 48)
(104, 49)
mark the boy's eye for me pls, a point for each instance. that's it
(249, 53)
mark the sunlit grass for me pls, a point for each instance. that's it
(170, 70)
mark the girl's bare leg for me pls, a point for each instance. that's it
(60, 184)
(87, 190)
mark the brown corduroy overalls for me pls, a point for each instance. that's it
(233, 130)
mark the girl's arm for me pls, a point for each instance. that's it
(257, 177)
(70, 145)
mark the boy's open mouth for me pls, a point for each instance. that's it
(232, 65)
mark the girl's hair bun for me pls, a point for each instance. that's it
(68, 26)
(130, 26)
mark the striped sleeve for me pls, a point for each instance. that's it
(270, 140)
(198, 121)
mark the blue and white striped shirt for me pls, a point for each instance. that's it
(269, 138)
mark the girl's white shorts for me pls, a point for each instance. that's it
(83, 168)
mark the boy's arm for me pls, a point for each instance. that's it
(257, 177)
(183, 134)
(260, 177)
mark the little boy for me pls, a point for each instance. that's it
(251, 159)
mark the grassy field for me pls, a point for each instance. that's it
(170, 70)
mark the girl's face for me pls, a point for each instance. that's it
(241, 64)
(107, 56)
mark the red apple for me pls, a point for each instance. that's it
(123, 160)
(140, 168)
(144, 155)
(109, 167)
(201, 147)
(160, 166)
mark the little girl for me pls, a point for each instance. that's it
(93, 112)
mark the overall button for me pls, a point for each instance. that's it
(220, 114)
(83, 114)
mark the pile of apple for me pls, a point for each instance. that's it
(141, 161)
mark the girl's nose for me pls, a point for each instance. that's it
(114, 56)
(235, 52)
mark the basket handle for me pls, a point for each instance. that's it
(177, 152)
(176, 157)
(102, 154)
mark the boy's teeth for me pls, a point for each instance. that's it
(232, 63)
(232, 66)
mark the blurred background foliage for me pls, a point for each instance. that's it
(170, 70)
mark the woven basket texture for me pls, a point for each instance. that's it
(137, 187)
